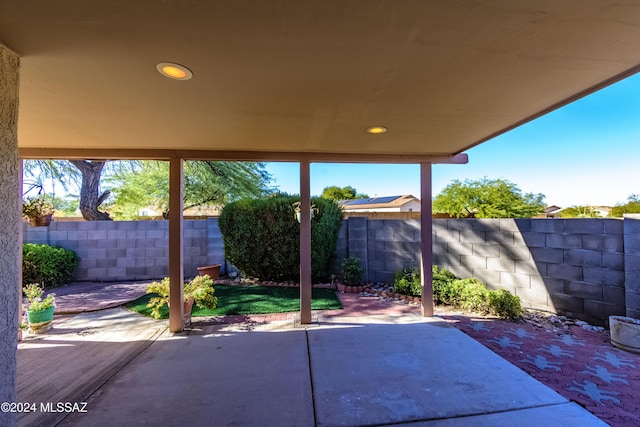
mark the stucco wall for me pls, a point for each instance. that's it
(10, 258)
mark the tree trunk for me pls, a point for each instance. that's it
(89, 198)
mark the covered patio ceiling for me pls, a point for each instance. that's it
(305, 76)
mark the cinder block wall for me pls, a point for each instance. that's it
(586, 268)
(632, 265)
(130, 250)
(572, 266)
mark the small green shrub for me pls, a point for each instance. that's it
(474, 296)
(470, 294)
(451, 292)
(351, 271)
(502, 303)
(442, 278)
(262, 237)
(47, 265)
(408, 281)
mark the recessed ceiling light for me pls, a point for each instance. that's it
(174, 71)
(377, 129)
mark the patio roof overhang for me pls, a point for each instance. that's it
(307, 76)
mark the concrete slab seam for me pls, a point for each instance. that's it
(461, 417)
(313, 397)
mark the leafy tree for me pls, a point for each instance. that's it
(487, 198)
(139, 184)
(90, 196)
(206, 183)
(632, 206)
(345, 193)
(85, 174)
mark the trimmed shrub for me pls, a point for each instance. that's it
(442, 278)
(504, 304)
(262, 237)
(470, 294)
(47, 265)
(408, 281)
(351, 271)
(474, 296)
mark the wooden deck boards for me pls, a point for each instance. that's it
(76, 357)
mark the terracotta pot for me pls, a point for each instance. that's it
(213, 271)
(41, 221)
(187, 307)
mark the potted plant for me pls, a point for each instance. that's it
(37, 210)
(40, 310)
(199, 291)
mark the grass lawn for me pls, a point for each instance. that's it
(250, 299)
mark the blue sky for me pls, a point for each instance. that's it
(587, 153)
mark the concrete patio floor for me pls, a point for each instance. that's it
(340, 371)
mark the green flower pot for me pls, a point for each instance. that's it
(41, 316)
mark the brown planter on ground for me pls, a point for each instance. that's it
(212, 270)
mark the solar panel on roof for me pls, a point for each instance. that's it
(359, 202)
(384, 199)
(371, 201)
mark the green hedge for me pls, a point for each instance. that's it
(262, 237)
(47, 265)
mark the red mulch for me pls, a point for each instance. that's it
(580, 365)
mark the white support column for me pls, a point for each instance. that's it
(305, 243)
(426, 239)
(176, 266)
(10, 224)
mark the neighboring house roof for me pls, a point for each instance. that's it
(195, 211)
(385, 202)
(603, 211)
(602, 208)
